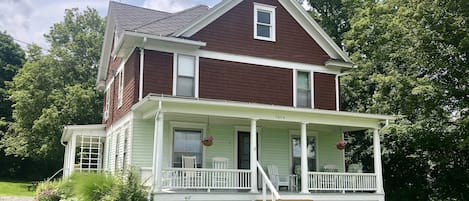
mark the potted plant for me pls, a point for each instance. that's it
(208, 141)
(340, 145)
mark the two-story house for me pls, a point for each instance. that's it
(235, 102)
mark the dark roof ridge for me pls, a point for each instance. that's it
(169, 16)
(113, 1)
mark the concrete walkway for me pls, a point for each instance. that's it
(15, 198)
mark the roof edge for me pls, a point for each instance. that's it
(327, 44)
(213, 14)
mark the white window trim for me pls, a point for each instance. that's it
(188, 126)
(271, 10)
(120, 90)
(107, 104)
(311, 85)
(196, 72)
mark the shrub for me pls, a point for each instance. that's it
(47, 191)
(91, 186)
(94, 187)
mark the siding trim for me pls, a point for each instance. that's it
(247, 59)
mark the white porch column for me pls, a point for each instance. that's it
(66, 161)
(253, 156)
(157, 152)
(377, 161)
(73, 146)
(304, 160)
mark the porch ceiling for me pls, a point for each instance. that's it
(241, 113)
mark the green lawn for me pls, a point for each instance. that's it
(15, 188)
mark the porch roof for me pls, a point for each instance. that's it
(84, 130)
(149, 106)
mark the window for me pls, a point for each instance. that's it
(120, 90)
(187, 143)
(303, 89)
(264, 22)
(116, 157)
(296, 154)
(126, 147)
(106, 107)
(186, 74)
(90, 153)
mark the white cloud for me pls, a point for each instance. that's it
(168, 5)
(29, 20)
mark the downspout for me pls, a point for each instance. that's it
(142, 56)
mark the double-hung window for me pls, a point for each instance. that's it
(187, 143)
(296, 153)
(186, 75)
(120, 90)
(264, 22)
(303, 89)
(106, 107)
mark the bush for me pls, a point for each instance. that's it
(47, 191)
(94, 187)
(128, 189)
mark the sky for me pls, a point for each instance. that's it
(28, 20)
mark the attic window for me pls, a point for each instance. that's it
(264, 22)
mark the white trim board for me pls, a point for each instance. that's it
(249, 59)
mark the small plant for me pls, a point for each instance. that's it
(47, 191)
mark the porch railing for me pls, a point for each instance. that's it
(338, 181)
(200, 178)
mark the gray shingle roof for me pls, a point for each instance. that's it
(143, 20)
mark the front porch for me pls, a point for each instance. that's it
(299, 142)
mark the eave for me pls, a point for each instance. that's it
(90, 130)
(129, 40)
(147, 108)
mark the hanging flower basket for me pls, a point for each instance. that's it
(340, 145)
(208, 141)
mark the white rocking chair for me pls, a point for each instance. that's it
(275, 177)
(189, 176)
(219, 179)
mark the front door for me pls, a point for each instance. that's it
(244, 153)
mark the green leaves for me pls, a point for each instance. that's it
(57, 88)
(412, 62)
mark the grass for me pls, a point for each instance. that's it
(15, 188)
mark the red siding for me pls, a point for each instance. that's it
(324, 91)
(233, 33)
(245, 82)
(130, 93)
(158, 73)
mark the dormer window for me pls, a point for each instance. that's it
(264, 22)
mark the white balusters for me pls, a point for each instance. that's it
(342, 181)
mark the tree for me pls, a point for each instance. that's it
(11, 59)
(57, 88)
(412, 58)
